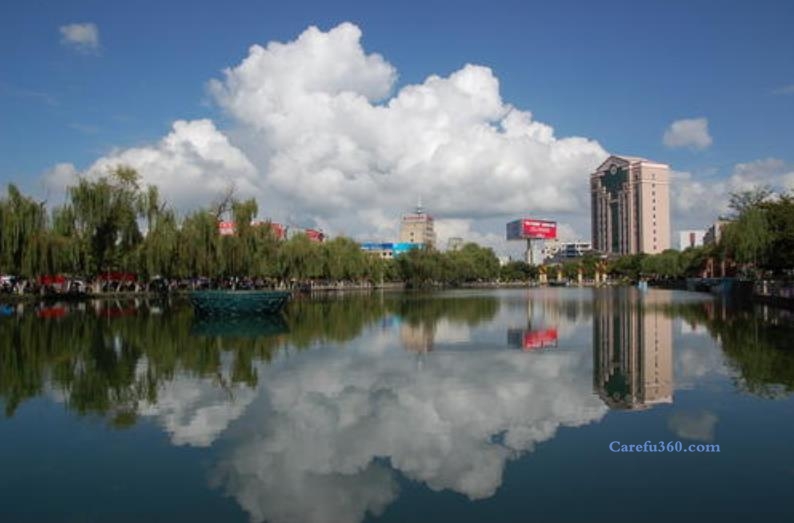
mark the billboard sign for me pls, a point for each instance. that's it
(530, 229)
(527, 340)
(226, 228)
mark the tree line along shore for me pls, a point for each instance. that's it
(112, 225)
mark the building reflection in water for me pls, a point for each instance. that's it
(417, 338)
(545, 312)
(632, 348)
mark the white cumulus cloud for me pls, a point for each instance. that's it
(83, 37)
(193, 164)
(320, 133)
(698, 199)
(689, 132)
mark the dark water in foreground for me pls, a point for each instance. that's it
(457, 406)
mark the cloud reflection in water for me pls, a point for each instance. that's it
(316, 447)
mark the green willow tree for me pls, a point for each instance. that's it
(300, 259)
(762, 232)
(748, 237)
(24, 238)
(199, 246)
(780, 219)
(106, 213)
(343, 259)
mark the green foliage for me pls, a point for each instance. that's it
(343, 259)
(629, 267)
(199, 246)
(748, 237)
(667, 264)
(762, 233)
(24, 239)
(780, 221)
(300, 259)
(742, 201)
(518, 271)
(105, 215)
(472, 263)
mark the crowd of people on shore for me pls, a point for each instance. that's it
(66, 286)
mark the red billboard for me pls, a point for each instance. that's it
(526, 339)
(539, 338)
(226, 228)
(530, 229)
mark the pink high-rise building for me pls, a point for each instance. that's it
(630, 205)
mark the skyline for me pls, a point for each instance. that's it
(328, 126)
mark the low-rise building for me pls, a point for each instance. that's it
(455, 243)
(690, 238)
(388, 250)
(229, 228)
(558, 251)
(713, 234)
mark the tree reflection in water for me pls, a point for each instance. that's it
(109, 356)
(756, 340)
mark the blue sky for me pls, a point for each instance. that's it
(618, 73)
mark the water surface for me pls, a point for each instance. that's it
(460, 406)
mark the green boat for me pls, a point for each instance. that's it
(238, 303)
(241, 327)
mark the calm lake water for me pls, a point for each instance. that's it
(453, 406)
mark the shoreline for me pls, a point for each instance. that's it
(10, 298)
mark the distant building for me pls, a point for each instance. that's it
(417, 227)
(229, 228)
(314, 235)
(714, 233)
(630, 205)
(388, 250)
(558, 252)
(692, 238)
(455, 243)
(381, 250)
